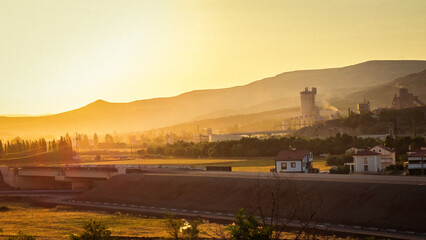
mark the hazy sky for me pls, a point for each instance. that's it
(60, 55)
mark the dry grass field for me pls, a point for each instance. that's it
(239, 165)
(59, 222)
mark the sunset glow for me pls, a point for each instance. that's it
(61, 55)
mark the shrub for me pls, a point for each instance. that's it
(247, 228)
(338, 160)
(397, 167)
(173, 226)
(4, 208)
(340, 170)
(190, 230)
(93, 230)
(22, 236)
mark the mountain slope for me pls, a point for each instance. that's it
(281, 91)
(382, 95)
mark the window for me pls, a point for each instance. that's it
(283, 166)
(293, 165)
(365, 160)
(365, 168)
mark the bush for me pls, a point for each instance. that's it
(247, 228)
(397, 167)
(338, 160)
(173, 226)
(340, 170)
(190, 230)
(4, 208)
(22, 236)
(93, 230)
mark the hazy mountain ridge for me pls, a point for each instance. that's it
(281, 91)
(382, 95)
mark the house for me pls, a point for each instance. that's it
(366, 161)
(387, 155)
(417, 162)
(294, 161)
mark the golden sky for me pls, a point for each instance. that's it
(60, 55)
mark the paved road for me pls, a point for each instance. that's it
(410, 180)
(386, 233)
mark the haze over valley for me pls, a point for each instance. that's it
(342, 87)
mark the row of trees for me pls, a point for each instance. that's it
(37, 149)
(254, 147)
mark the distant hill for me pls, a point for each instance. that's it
(382, 95)
(263, 121)
(281, 91)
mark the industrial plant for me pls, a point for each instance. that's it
(309, 112)
(406, 100)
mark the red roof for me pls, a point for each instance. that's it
(365, 153)
(292, 155)
(386, 148)
(420, 153)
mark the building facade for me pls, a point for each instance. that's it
(366, 161)
(417, 162)
(294, 161)
(387, 155)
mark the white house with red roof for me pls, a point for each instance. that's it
(294, 161)
(387, 155)
(366, 161)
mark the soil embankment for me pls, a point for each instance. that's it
(379, 205)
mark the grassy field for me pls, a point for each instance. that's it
(59, 222)
(243, 165)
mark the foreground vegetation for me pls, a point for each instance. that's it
(23, 222)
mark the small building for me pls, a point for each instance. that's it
(417, 162)
(364, 107)
(294, 161)
(366, 161)
(387, 155)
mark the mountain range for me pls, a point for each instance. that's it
(343, 87)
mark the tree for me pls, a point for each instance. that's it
(173, 226)
(248, 228)
(95, 140)
(190, 230)
(93, 230)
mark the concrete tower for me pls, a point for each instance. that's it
(307, 103)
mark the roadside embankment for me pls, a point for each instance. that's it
(381, 205)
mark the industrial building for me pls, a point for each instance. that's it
(406, 100)
(309, 112)
(363, 107)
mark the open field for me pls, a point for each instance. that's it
(59, 222)
(264, 164)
